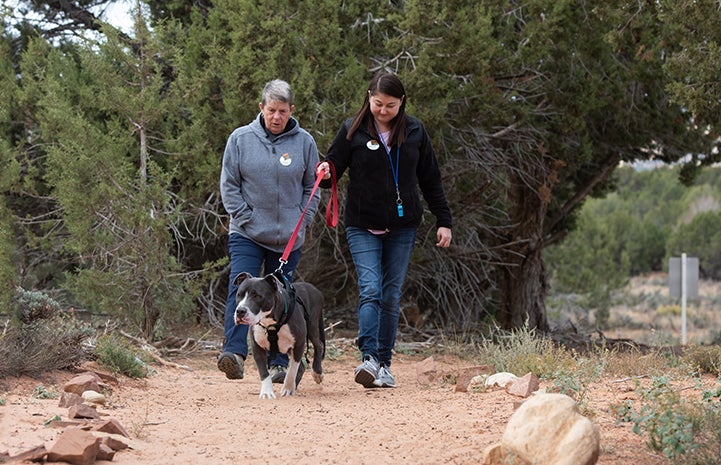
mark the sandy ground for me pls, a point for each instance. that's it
(196, 415)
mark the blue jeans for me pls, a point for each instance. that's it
(246, 255)
(381, 262)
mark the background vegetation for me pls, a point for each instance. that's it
(633, 231)
(111, 141)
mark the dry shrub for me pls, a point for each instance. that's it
(44, 345)
(621, 363)
(522, 351)
(704, 359)
(41, 337)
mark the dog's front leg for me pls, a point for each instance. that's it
(261, 363)
(289, 385)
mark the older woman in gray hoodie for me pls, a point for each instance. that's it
(266, 180)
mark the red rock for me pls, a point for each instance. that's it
(76, 447)
(82, 411)
(114, 443)
(68, 399)
(426, 371)
(105, 452)
(465, 376)
(525, 386)
(36, 454)
(82, 383)
(111, 426)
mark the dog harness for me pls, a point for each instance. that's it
(289, 299)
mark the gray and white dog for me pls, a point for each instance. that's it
(262, 303)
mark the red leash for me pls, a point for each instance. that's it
(331, 218)
(331, 213)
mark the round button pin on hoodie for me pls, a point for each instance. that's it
(373, 144)
(285, 159)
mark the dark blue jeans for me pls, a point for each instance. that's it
(246, 255)
(381, 262)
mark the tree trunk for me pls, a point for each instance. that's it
(523, 292)
(522, 278)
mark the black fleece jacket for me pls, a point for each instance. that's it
(371, 193)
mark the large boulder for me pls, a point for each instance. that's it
(547, 429)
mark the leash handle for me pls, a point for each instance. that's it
(331, 211)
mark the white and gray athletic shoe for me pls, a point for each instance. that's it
(385, 378)
(367, 372)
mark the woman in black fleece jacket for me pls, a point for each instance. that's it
(388, 155)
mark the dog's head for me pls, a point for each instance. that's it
(255, 299)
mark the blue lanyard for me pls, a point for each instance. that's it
(394, 170)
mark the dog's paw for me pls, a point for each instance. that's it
(266, 389)
(287, 392)
(267, 395)
(317, 377)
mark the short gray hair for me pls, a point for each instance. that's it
(277, 90)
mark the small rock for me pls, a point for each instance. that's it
(105, 452)
(82, 383)
(525, 386)
(82, 411)
(94, 397)
(68, 399)
(111, 426)
(468, 374)
(426, 371)
(501, 379)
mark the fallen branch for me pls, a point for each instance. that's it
(630, 378)
(152, 351)
(332, 326)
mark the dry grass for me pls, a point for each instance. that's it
(644, 312)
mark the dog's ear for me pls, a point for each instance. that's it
(240, 278)
(273, 281)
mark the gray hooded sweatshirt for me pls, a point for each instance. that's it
(266, 181)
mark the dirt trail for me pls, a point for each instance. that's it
(181, 416)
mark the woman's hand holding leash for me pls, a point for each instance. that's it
(324, 169)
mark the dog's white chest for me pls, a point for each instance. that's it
(286, 341)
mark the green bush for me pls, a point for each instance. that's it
(120, 356)
(685, 431)
(41, 392)
(701, 237)
(30, 306)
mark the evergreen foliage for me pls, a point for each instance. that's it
(695, 78)
(701, 237)
(112, 150)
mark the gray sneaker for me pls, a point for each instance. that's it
(367, 372)
(385, 378)
(277, 374)
(231, 364)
